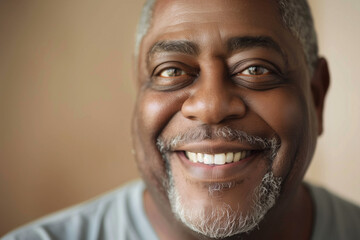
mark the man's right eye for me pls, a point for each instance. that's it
(170, 78)
(171, 72)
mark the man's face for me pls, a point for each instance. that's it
(219, 81)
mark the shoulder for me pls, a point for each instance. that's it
(104, 217)
(335, 218)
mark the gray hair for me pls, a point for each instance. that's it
(295, 15)
(144, 23)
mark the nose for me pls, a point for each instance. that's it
(213, 100)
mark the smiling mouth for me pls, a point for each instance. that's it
(220, 158)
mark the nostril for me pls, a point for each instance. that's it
(191, 117)
(234, 116)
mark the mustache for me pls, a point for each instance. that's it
(225, 133)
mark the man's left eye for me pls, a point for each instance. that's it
(172, 72)
(255, 71)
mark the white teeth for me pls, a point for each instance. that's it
(192, 156)
(229, 157)
(200, 157)
(208, 159)
(218, 159)
(237, 156)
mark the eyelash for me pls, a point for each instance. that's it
(269, 78)
(183, 72)
(171, 83)
(171, 68)
(267, 71)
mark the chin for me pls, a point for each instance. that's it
(216, 216)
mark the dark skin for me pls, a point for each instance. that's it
(234, 66)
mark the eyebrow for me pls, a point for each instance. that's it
(178, 46)
(233, 44)
(242, 43)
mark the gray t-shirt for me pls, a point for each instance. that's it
(120, 215)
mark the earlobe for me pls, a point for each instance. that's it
(319, 86)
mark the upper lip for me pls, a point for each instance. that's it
(215, 147)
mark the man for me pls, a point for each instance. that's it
(229, 107)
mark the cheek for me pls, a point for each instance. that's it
(154, 111)
(149, 116)
(285, 111)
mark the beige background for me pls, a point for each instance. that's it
(66, 96)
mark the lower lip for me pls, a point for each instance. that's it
(225, 172)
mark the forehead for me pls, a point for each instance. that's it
(169, 13)
(211, 23)
(219, 18)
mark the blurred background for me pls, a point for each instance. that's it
(66, 96)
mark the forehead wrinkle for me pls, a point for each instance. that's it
(246, 42)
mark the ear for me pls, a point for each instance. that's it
(319, 86)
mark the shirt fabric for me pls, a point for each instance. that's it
(120, 215)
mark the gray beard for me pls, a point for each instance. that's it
(223, 221)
